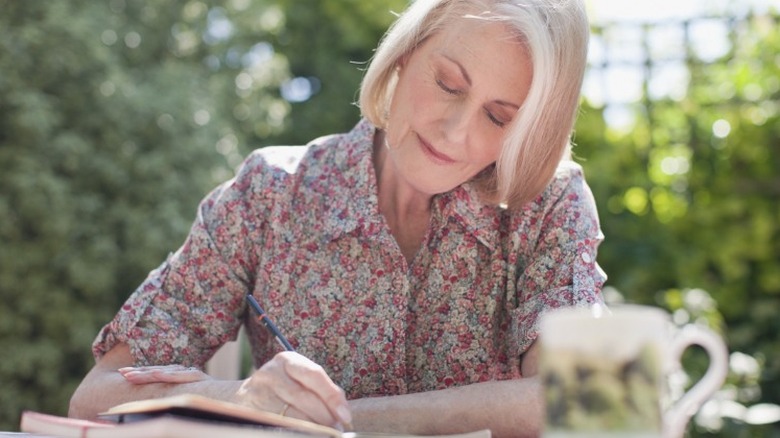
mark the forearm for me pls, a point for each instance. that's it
(104, 386)
(512, 408)
(103, 389)
(287, 383)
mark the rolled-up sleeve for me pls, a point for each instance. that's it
(193, 302)
(560, 270)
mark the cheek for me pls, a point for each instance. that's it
(486, 151)
(415, 94)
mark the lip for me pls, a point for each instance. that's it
(435, 156)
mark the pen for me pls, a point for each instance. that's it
(263, 317)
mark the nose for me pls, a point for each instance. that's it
(456, 123)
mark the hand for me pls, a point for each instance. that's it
(292, 385)
(163, 374)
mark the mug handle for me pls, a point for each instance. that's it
(677, 417)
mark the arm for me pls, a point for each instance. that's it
(288, 383)
(510, 408)
(104, 387)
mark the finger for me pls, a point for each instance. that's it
(303, 403)
(271, 387)
(293, 412)
(169, 375)
(172, 367)
(312, 379)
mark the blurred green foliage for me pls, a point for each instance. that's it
(690, 199)
(116, 118)
(101, 162)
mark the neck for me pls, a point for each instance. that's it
(406, 210)
(396, 197)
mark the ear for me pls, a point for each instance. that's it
(401, 62)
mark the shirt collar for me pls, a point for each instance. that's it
(463, 205)
(354, 180)
(354, 161)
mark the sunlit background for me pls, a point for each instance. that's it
(661, 32)
(116, 117)
(641, 52)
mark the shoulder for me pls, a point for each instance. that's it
(565, 207)
(287, 158)
(279, 158)
(320, 154)
(275, 166)
(309, 174)
(569, 177)
(567, 186)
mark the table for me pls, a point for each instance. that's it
(22, 435)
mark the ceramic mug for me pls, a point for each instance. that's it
(605, 372)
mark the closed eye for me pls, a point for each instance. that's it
(447, 89)
(494, 119)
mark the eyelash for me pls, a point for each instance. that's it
(493, 119)
(454, 92)
(447, 89)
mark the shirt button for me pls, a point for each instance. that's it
(586, 257)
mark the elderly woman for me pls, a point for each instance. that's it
(407, 261)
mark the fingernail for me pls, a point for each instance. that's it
(344, 415)
(125, 369)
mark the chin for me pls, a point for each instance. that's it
(437, 189)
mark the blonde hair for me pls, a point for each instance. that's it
(555, 33)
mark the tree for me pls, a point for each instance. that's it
(690, 195)
(328, 44)
(104, 153)
(115, 119)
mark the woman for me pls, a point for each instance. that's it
(408, 260)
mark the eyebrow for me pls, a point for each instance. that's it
(462, 70)
(468, 81)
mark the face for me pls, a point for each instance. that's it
(455, 98)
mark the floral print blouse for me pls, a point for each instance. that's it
(302, 232)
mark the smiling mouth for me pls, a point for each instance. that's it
(435, 156)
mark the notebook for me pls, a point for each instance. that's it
(192, 416)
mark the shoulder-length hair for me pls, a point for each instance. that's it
(555, 33)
